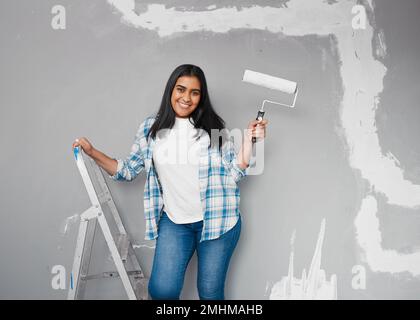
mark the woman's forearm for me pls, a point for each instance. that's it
(245, 153)
(105, 162)
(256, 128)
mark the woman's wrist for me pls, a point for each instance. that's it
(245, 151)
(92, 153)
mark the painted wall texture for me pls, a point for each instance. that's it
(341, 169)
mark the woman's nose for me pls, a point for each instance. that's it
(186, 97)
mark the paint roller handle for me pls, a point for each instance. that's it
(260, 116)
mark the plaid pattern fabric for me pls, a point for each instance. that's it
(219, 175)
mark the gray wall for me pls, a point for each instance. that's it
(101, 76)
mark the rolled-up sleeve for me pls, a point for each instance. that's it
(129, 168)
(229, 157)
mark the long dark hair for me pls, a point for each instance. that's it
(204, 117)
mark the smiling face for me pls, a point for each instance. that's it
(185, 96)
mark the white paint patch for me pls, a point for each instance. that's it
(297, 16)
(137, 246)
(380, 45)
(370, 238)
(315, 287)
(363, 84)
(65, 226)
(362, 79)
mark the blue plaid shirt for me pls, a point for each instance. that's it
(219, 175)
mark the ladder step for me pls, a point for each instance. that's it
(111, 274)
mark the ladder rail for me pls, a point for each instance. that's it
(77, 259)
(86, 258)
(101, 180)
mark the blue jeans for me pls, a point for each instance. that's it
(175, 246)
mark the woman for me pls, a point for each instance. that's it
(191, 195)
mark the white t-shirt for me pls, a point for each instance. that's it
(176, 158)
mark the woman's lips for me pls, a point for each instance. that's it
(183, 105)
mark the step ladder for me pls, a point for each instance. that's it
(120, 246)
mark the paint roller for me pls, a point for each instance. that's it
(274, 83)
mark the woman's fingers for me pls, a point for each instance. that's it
(84, 144)
(259, 128)
(258, 132)
(76, 143)
(254, 123)
(79, 142)
(260, 125)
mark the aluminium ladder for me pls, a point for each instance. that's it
(134, 281)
